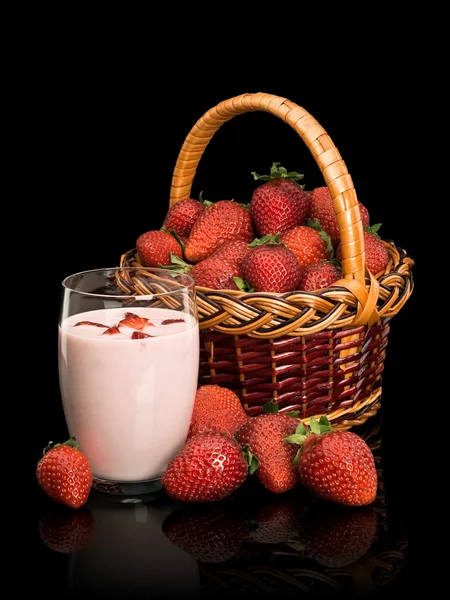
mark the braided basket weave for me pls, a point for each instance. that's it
(317, 352)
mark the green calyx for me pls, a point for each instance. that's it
(252, 461)
(243, 285)
(266, 240)
(277, 172)
(316, 427)
(71, 442)
(178, 265)
(315, 224)
(373, 229)
(175, 235)
(203, 200)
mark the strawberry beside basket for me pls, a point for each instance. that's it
(321, 353)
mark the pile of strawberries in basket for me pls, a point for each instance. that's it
(284, 239)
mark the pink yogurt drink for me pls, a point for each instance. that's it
(128, 383)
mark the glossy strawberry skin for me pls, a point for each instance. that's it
(233, 251)
(182, 216)
(338, 467)
(322, 210)
(215, 273)
(307, 245)
(154, 248)
(64, 474)
(264, 435)
(219, 223)
(319, 276)
(271, 269)
(377, 257)
(277, 206)
(210, 467)
(216, 409)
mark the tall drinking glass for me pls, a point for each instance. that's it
(128, 369)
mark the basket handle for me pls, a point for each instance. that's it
(329, 161)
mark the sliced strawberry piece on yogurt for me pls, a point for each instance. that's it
(90, 323)
(140, 335)
(111, 330)
(134, 321)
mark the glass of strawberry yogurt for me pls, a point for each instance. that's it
(128, 369)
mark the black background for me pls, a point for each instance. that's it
(103, 130)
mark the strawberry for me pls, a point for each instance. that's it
(277, 519)
(221, 222)
(233, 251)
(181, 216)
(217, 409)
(155, 247)
(322, 210)
(337, 536)
(377, 256)
(271, 267)
(213, 533)
(64, 474)
(210, 467)
(64, 530)
(279, 204)
(264, 436)
(319, 275)
(310, 243)
(215, 273)
(337, 466)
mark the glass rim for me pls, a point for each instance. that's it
(182, 286)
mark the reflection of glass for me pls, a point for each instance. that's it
(128, 368)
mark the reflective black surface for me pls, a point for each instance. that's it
(252, 543)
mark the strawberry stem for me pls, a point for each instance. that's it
(203, 200)
(277, 172)
(71, 442)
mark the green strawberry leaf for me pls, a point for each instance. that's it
(243, 285)
(295, 439)
(324, 424)
(315, 224)
(293, 413)
(297, 456)
(373, 229)
(277, 172)
(270, 408)
(269, 239)
(301, 429)
(71, 442)
(203, 200)
(298, 546)
(174, 234)
(178, 265)
(252, 461)
(314, 425)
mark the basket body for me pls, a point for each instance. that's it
(321, 353)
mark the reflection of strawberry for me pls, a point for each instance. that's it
(210, 467)
(276, 519)
(279, 204)
(319, 276)
(181, 216)
(264, 435)
(337, 536)
(64, 474)
(212, 533)
(216, 409)
(221, 222)
(322, 210)
(65, 530)
(271, 268)
(155, 247)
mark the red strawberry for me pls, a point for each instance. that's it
(216, 409)
(271, 268)
(215, 273)
(336, 465)
(212, 533)
(134, 321)
(64, 474)
(264, 435)
(322, 210)
(377, 256)
(279, 204)
(310, 244)
(64, 530)
(318, 276)
(155, 247)
(182, 216)
(337, 536)
(233, 251)
(221, 222)
(210, 467)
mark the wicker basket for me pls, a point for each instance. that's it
(321, 353)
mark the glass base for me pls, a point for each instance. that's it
(127, 488)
